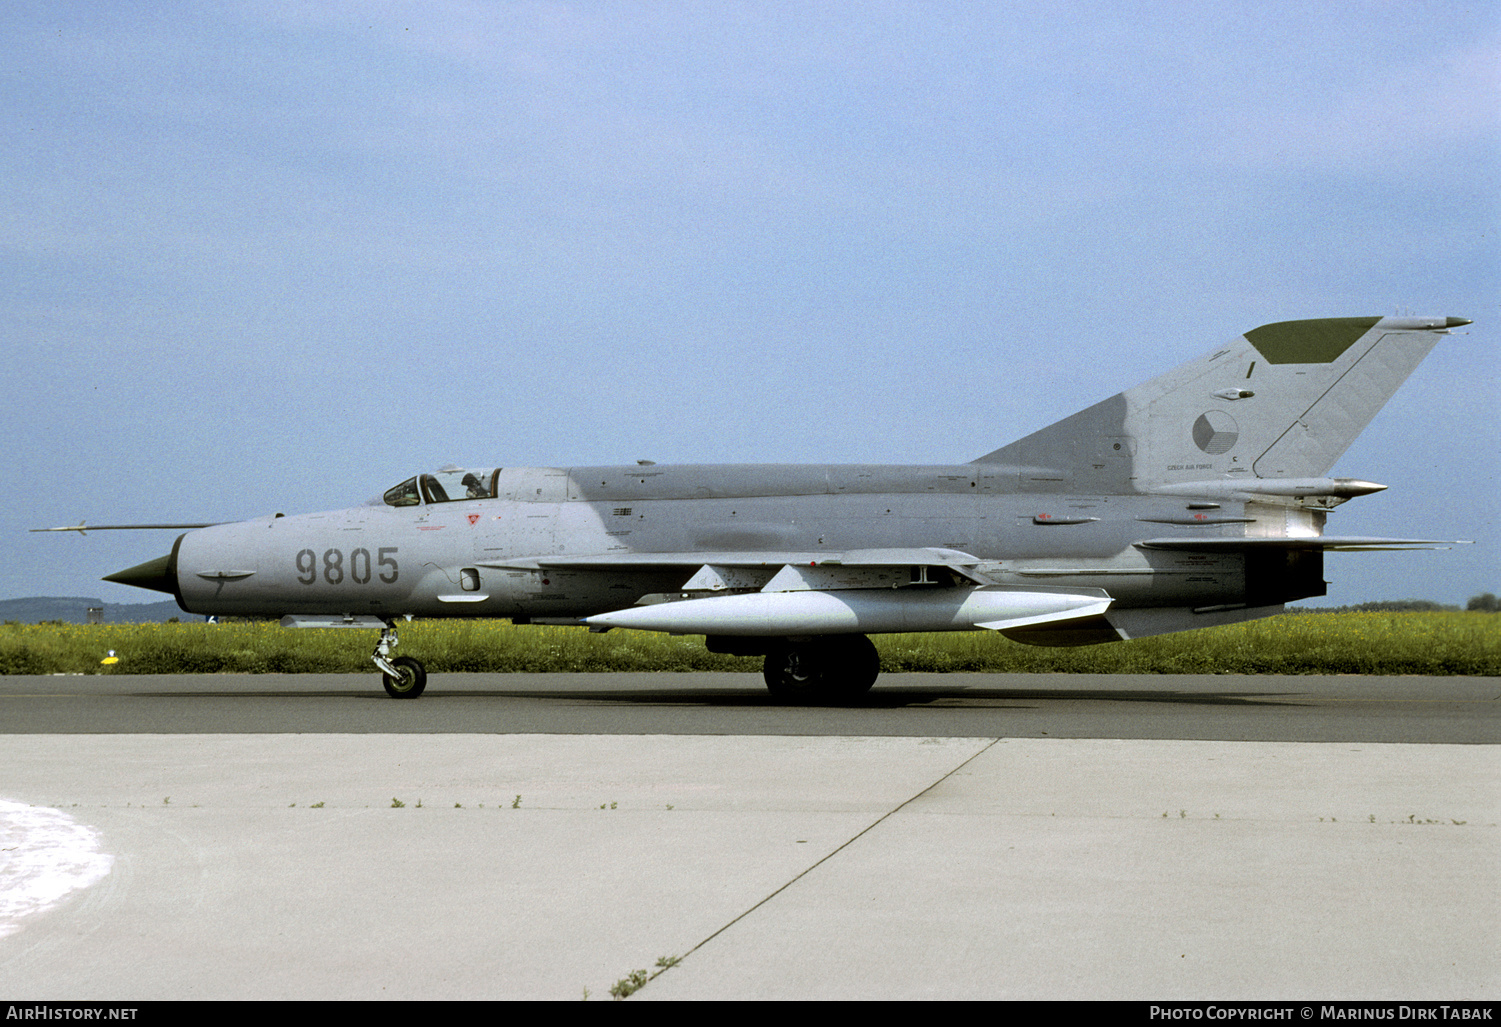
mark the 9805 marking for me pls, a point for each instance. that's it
(359, 566)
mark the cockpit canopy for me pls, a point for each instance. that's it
(449, 485)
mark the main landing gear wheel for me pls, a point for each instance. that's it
(411, 681)
(831, 669)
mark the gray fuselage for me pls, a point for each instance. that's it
(508, 556)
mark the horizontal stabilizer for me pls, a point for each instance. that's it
(1337, 488)
(1327, 543)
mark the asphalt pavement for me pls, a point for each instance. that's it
(230, 851)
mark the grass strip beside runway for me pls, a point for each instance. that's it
(1336, 643)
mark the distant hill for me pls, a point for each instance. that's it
(75, 610)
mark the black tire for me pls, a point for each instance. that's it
(412, 681)
(858, 666)
(791, 673)
(835, 669)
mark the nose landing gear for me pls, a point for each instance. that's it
(404, 677)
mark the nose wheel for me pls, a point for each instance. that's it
(408, 681)
(404, 677)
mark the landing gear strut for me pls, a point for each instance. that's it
(832, 668)
(404, 677)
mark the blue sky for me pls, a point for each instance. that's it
(280, 256)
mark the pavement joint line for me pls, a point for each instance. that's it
(830, 855)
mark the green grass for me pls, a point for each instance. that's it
(1336, 643)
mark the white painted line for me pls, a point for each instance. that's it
(45, 855)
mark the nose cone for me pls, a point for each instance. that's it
(159, 574)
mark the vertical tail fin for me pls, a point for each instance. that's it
(1283, 401)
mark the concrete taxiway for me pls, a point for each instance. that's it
(471, 863)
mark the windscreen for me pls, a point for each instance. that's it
(450, 485)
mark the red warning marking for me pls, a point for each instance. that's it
(473, 519)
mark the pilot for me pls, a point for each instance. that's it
(476, 490)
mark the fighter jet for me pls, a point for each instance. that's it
(1198, 498)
